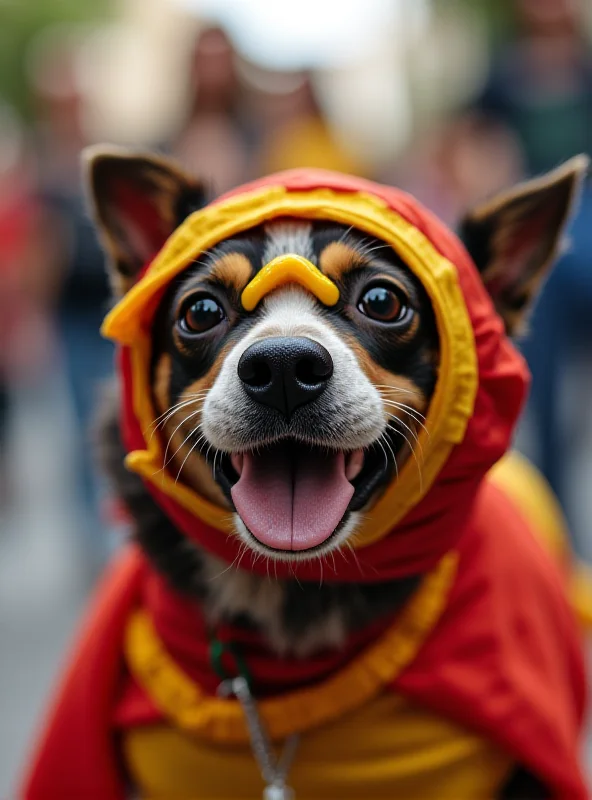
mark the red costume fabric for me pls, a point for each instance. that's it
(503, 659)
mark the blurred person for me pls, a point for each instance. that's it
(82, 296)
(540, 89)
(215, 142)
(25, 337)
(463, 160)
(540, 83)
(300, 135)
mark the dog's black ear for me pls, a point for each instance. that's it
(515, 237)
(137, 201)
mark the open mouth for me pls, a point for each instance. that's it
(294, 497)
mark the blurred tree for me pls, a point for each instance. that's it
(20, 22)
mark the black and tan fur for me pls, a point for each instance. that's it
(512, 240)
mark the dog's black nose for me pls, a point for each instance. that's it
(285, 372)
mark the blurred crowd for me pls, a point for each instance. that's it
(532, 110)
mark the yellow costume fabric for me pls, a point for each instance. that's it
(389, 748)
(386, 746)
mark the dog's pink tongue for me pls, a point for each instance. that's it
(292, 499)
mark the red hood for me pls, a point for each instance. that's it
(479, 395)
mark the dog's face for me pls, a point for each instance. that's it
(296, 416)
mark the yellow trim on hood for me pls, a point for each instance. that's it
(451, 406)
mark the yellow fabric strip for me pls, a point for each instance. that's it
(389, 748)
(525, 485)
(289, 268)
(184, 704)
(454, 396)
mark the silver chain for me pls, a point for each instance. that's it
(274, 771)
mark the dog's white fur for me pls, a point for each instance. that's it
(288, 237)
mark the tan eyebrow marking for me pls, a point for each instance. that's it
(234, 270)
(338, 258)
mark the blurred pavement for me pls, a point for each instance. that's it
(44, 578)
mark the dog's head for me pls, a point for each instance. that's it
(291, 408)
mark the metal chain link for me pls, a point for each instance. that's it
(274, 772)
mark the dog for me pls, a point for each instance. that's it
(315, 382)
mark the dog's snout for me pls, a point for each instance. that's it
(285, 372)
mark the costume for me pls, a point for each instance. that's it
(488, 643)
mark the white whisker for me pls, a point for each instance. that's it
(191, 449)
(388, 444)
(414, 454)
(184, 442)
(243, 546)
(352, 550)
(411, 431)
(397, 389)
(404, 406)
(183, 421)
(164, 418)
(407, 411)
(367, 251)
(187, 400)
(344, 235)
(379, 443)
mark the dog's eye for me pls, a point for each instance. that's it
(203, 314)
(383, 304)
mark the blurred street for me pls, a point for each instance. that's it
(43, 576)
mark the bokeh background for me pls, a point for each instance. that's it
(450, 99)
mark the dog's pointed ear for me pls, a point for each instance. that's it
(137, 201)
(515, 237)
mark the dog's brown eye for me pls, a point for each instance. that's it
(203, 314)
(383, 304)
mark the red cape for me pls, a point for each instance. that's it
(504, 660)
